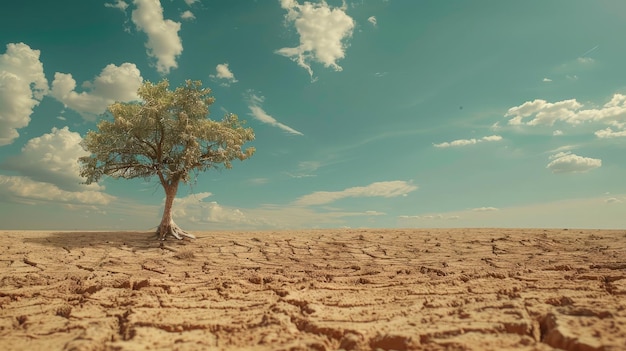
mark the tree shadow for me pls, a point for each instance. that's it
(77, 240)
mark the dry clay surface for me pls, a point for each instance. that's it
(460, 289)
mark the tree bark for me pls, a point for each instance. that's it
(166, 221)
(167, 225)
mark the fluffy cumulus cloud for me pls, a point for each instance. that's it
(115, 83)
(466, 142)
(378, 189)
(372, 20)
(22, 86)
(163, 44)
(49, 172)
(541, 112)
(52, 158)
(323, 31)
(567, 162)
(256, 111)
(223, 73)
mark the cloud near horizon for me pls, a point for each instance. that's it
(465, 142)
(378, 189)
(25, 190)
(52, 158)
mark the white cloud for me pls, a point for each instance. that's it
(52, 158)
(610, 133)
(378, 189)
(22, 86)
(546, 79)
(191, 2)
(187, 15)
(592, 213)
(195, 210)
(372, 20)
(113, 84)
(544, 113)
(259, 181)
(119, 4)
(322, 30)
(223, 72)
(613, 200)
(430, 217)
(567, 162)
(541, 112)
(182, 204)
(25, 190)
(256, 111)
(485, 209)
(465, 142)
(585, 60)
(557, 132)
(306, 169)
(163, 44)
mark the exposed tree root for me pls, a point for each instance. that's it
(174, 230)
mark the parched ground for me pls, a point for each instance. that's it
(460, 289)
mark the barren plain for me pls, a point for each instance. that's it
(350, 289)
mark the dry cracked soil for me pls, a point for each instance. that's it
(365, 289)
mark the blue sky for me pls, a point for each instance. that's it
(367, 113)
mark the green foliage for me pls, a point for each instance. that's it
(168, 134)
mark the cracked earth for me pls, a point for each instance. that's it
(452, 289)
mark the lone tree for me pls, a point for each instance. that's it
(167, 134)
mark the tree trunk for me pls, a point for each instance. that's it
(167, 225)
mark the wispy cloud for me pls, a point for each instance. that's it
(567, 162)
(322, 30)
(305, 169)
(466, 142)
(372, 20)
(163, 44)
(119, 4)
(430, 217)
(256, 111)
(378, 189)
